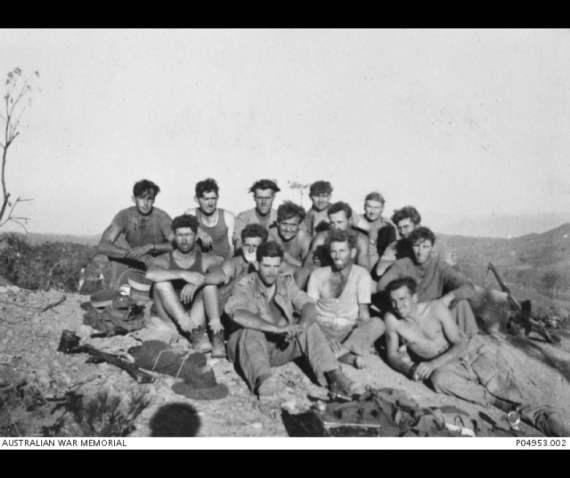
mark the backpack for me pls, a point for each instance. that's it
(121, 317)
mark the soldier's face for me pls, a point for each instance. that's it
(288, 228)
(185, 239)
(321, 201)
(402, 301)
(406, 227)
(249, 248)
(269, 270)
(144, 202)
(341, 255)
(373, 209)
(264, 200)
(422, 250)
(339, 221)
(208, 202)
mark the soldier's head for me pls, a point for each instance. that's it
(373, 206)
(422, 241)
(264, 192)
(339, 216)
(406, 220)
(341, 246)
(184, 229)
(403, 297)
(289, 218)
(252, 236)
(207, 193)
(144, 194)
(320, 193)
(269, 257)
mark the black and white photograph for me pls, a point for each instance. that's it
(358, 236)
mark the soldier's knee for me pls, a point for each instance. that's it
(250, 335)
(441, 380)
(378, 326)
(162, 287)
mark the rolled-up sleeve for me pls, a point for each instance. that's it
(241, 298)
(299, 299)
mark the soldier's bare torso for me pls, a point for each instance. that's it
(424, 335)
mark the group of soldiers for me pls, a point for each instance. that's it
(272, 285)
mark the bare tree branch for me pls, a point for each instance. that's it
(12, 218)
(17, 87)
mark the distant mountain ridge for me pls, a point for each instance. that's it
(500, 225)
(37, 238)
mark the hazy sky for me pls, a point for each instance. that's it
(462, 122)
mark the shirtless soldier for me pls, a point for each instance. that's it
(435, 350)
(294, 241)
(320, 193)
(217, 222)
(381, 232)
(435, 278)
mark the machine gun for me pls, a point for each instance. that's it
(523, 311)
(69, 344)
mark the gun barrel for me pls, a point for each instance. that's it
(132, 370)
(515, 303)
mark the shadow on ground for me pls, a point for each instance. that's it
(534, 350)
(175, 420)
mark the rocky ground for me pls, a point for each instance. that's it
(34, 377)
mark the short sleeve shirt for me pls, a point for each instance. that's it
(356, 291)
(139, 232)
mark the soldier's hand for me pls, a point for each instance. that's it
(291, 331)
(337, 349)
(187, 294)
(423, 371)
(136, 252)
(147, 259)
(205, 238)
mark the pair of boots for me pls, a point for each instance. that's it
(201, 343)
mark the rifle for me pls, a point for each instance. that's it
(523, 310)
(69, 344)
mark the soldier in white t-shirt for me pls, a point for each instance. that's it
(342, 295)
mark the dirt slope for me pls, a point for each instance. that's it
(29, 339)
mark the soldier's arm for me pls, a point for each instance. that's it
(106, 245)
(230, 222)
(458, 287)
(214, 274)
(362, 258)
(166, 245)
(398, 357)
